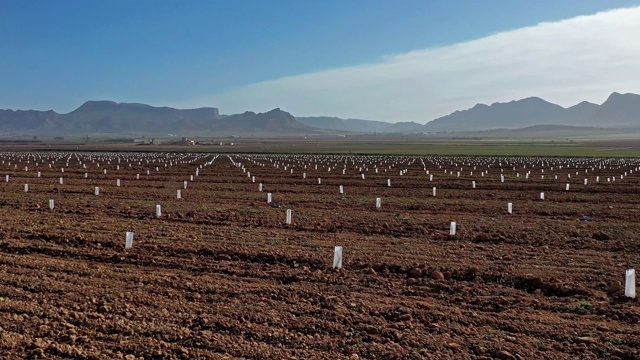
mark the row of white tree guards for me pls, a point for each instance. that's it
(105, 157)
(288, 165)
(489, 169)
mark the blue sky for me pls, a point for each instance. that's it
(58, 54)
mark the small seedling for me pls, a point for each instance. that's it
(584, 305)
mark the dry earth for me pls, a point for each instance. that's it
(219, 275)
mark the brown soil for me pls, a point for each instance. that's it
(221, 276)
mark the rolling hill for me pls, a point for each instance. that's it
(351, 125)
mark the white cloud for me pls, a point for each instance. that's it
(565, 62)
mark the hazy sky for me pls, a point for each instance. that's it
(383, 60)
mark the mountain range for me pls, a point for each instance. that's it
(108, 117)
(619, 110)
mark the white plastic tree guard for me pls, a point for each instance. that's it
(337, 257)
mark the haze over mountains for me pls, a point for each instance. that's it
(95, 117)
(619, 110)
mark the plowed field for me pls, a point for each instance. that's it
(220, 275)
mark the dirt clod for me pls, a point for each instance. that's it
(437, 275)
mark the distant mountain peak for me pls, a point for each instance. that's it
(621, 100)
(534, 99)
(617, 95)
(583, 105)
(93, 105)
(100, 102)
